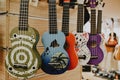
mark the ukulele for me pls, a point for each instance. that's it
(112, 41)
(116, 53)
(55, 59)
(70, 38)
(81, 37)
(23, 60)
(94, 38)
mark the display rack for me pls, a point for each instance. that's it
(7, 47)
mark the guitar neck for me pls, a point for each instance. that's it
(80, 19)
(23, 17)
(65, 21)
(99, 21)
(112, 33)
(52, 17)
(93, 21)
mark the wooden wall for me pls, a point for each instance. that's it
(7, 23)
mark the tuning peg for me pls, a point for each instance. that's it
(103, 5)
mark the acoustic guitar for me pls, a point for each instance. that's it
(116, 53)
(81, 37)
(94, 38)
(55, 59)
(23, 60)
(70, 38)
(112, 41)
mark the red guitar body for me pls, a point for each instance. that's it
(70, 48)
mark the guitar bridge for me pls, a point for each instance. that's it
(94, 57)
(54, 63)
(82, 57)
(24, 66)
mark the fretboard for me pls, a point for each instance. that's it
(52, 17)
(80, 19)
(99, 21)
(65, 21)
(23, 17)
(93, 21)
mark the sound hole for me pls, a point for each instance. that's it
(21, 57)
(54, 44)
(66, 45)
(93, 44)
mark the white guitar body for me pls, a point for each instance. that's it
(102, 46)
(81, 47)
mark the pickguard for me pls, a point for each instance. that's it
(54, 44)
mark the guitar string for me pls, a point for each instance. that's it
(24, 24)
(81, 21)
(26, 21)
(93, 38)
(94, 30)
(96, 39)
(20, 29)
(65, 22)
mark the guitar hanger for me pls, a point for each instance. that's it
(72, 3)
(112, 20)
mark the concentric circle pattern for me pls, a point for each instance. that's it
(22, 62)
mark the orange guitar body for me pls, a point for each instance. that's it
(111, 43)
(70, 48)
(116, 53)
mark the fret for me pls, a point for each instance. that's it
(80, 19)
(99, 21)
(52, 17)
(93, 21)
(23, 17)
(65, 20)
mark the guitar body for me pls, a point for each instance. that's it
(116, 53)
(81, 47)
(70, 48)
(112, 42)
(55, 59)
(96, 52)
(23, 59)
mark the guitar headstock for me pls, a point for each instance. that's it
(81, 1)
(66, 0)
(93, 3)
(101, 4)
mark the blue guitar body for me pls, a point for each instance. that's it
(55, 59)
